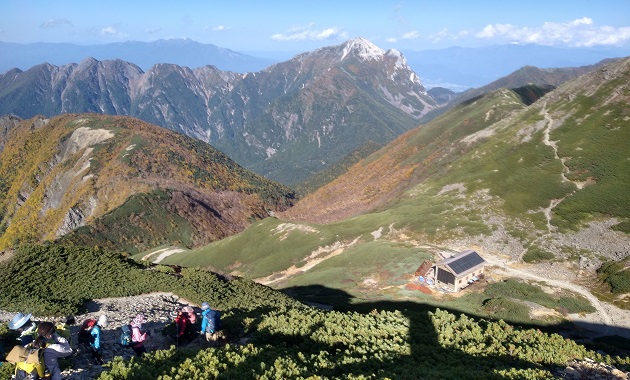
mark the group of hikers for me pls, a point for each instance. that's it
(187, 328)
(41, 344)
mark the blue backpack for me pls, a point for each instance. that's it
(125, 336)
(214, 321)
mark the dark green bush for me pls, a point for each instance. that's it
(616, 275)
(535, 254)
(516, 289)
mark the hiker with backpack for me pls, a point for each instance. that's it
(27, 328)
(63, 328)
(97, 350)
(210, 323)
(84, 336)
(90, 337)
(54, 346)
(138, 336)
(182, 324)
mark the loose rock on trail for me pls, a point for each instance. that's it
(156, 307)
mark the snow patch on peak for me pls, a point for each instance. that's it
(362, 48)
(401, 62)
(395, 53)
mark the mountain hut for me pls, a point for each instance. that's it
(459, 271)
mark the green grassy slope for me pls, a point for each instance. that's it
(410, 155)
(580, 131)
(413, 157)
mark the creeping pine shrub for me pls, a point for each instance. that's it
(619, 282)
(6, 338)
(616, 275)
(535, 255)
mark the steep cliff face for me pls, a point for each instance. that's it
(7, 123)
(286, 122)
(127, 183)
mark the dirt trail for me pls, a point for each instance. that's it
(319, 255)
(548, 211)
(163, 253)
(606, 320)
(548, 142)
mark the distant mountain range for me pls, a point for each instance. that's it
(456, 68)
(459, 68)
(530, 75)
(287, 122)
(182, 52)
(300, 122)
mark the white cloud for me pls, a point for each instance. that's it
(412, 35)
(55, 22)
(445, 34)
(491, 31)
(582, 21)
(607, 36)
(579, 33)
(110, 31)
(391, 39)
(153, 30)
(219, 28)
(326, 34)
(303, 33)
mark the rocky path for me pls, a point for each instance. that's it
(156, 307)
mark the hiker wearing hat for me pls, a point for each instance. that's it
(28, 329)
(210, 323)
(95, 344)
(190, 314)
(137, 335)
(55, 347)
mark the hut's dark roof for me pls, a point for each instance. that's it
(462, 261)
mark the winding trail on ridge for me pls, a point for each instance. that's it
(602, 315)
(565, 169)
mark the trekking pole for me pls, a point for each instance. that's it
(176, 336)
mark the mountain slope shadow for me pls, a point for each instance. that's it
(400, 345)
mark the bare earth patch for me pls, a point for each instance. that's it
(162, 254)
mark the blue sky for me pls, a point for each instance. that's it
(296, 25)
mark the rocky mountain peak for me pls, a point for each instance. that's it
(362, 48)
(88, 62)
